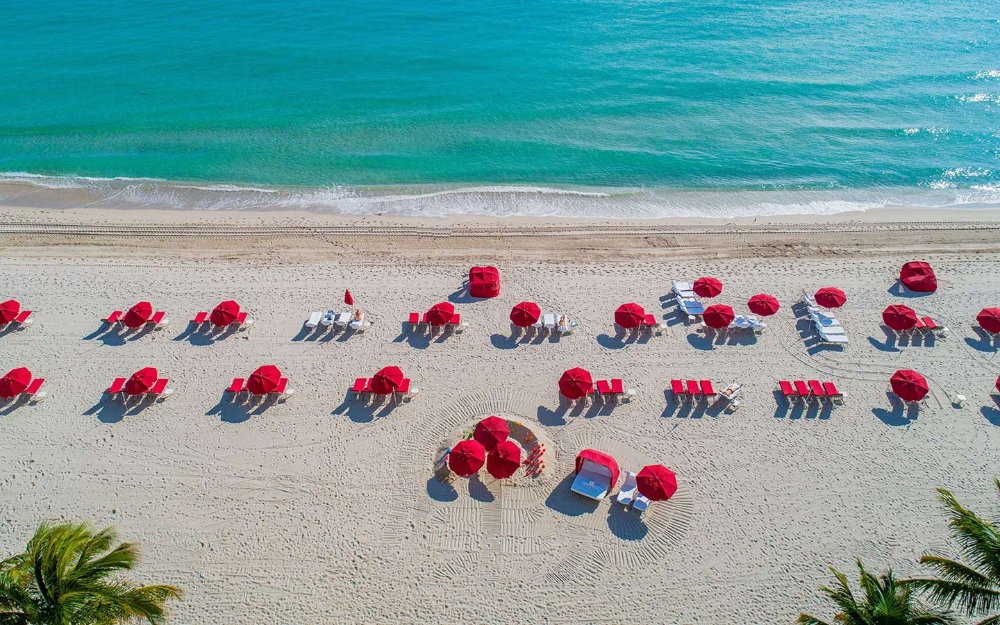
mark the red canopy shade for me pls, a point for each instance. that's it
(656, 482)
(830, 297)
(899, 317)
(440, 313)
(348, 298)
(630, 315)
(599, 458)
(909, 385)
(9, 310)
(918, 276)
(225, 313)
(989, 320)
(141, 381)
(264, 380)
(763, 304)
(387, 380)
(524, 314)
(575, 383)
(491, 431)
(466, 458)
(15, 382)
(504, 460)
(707, 287)
(138, 314)
(484, 282)
(718, 316)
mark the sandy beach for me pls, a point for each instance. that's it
(322, 510)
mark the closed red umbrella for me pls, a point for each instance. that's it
(504, 459)
(656, 482)
(763, 304)
(264, 380)
(490, 431)
(918, 276)
(141, 381)
(909, 385)
(575, 383)
(225, 313)
(348, 298)
(15, 382)
(630, 315)
(138, 314)
(899, 317)
(707, 287)
(9, 310)
(440, 314)
(718, 316)
(525, 314)
(466, 458)
(830, 297)
(387, 380)
(989, 320)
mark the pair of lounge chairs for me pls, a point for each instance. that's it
(416, 322)
(241, 322)
(158, 390)
(238, 390)
(687, 300)
(362, 390)
(828, 328)
(158, 320)
(811, 390)
(925, 326)
(689, 390)
(747, 322)
(629, 494)
(614, 390)
(550, 322)
(20, 322)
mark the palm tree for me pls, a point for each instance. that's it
(973, 585)
(70, 575)
(886, 601)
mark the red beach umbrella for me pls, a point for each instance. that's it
(763, 304)
(909, 385)
(225, 313)
(348, 298)
(524, 314)
(503, 460)
(899, 317)
(989, 320)
(718, 316)
(9, 310)
(387, 380)
(264, 380)
(466, 458)
(141, 381)
(491, 431)
(15, 382)
(656, 482)
(830, 297)
(918, 276)
(575, 383)
(630, 315)
(138, 314)
(440, 314)
(707, 287)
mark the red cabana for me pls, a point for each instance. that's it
(387, 380)
(575, 383)
(225, 313)
(718, 316)
(899, 317)
(503, 460)
(600, 458)
(264, 380)
(830, 297)
(630, 315)
(138, 315)
(918, 276)
(141, 381)
(484, 282)
(909, 385)
(656, 482)
(763, 304)
(9, 311)
(989, 320)
(466, 458)
(440, 314)
(525, 314)
(707, 287)
(491, 431)
(15, 382)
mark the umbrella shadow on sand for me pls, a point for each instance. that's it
(7, 406)
(890, 344)
(992, 413)
(623, 338)
(479, 491)
(625, 523)
(898, 290)
(441, 490)
(984, 341)
(898, 414)
(114, 336)
(566, 408)
(111, 410)
(230, 411)
(565, 501)
(360, 411)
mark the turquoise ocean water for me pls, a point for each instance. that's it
(620, 108)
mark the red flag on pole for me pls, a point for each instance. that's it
(348, 298)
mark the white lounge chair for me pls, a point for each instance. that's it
(328, 318)
(628, 490)
(691, 307)
(640, 503)
(314, 318)
(359, 325)
(826, 337)
(549, 321)
(682, 290)
(593, 480)
(342, 319)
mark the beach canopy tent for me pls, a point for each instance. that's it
(386, 380)
(466, 458)
(989, 320)
(15, 382)
(656, 482)
(909, 385)
(763, 304)
(491, 431)
(225, 313)
(264, 380)
(575, 383)
(503, 460)
(141, 381)
(918, 276)
(899, 317)
(630, 315)
(9, 311)
(484, 282)
(707, 287)
(440, 314)
(718, 316)
(348, 298)
(138, 315)
(596, 474)
(830, 297)
(525, 314)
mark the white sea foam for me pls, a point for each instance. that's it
(980, 97)
(990, 73)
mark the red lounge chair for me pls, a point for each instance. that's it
(413, 321)
(236, 386)
(404, 388)
(650, 320)
(677, 386)
(831, 391)
(241, 318)
(200, 318)
(617, 386)
(359, 387)
(929, 324)
(919, 325)
(34, 387)
(802, 389)
(282, 386)
(116, 387)
(157, 318)
(786, 389)
(455, 319)
(693, 389)
(114, 317)
(816, 389)
(23, 318)
(707, 390)
(603, 388)
(159, 387)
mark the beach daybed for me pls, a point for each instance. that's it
(596, 474)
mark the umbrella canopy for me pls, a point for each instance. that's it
(656, 482)
(504, 460)
(440, 314)
(718, 316)
(707, 287)
(575, 383)
(466, 458)
(9, 310)
(491, 431)
(899, 317)
(15, 382)
(387, 380)
(524, 314)
(348, 298)
(225, 313)
(763, 304)
(264, 380)
(138, 314)
(989, 320)
(630, 315)
(918, 276)
(141, 381)
(909, 385)
(830, 297)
